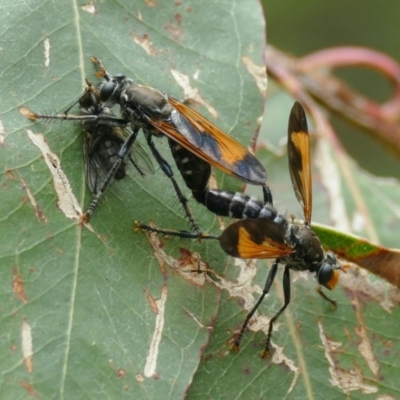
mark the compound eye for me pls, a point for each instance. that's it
(325, 274)
(107, 90)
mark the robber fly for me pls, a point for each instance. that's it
(158, 115)
(102, 141)
(272, 235)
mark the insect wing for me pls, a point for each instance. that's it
(101, 147)
(194, 132)
(138, 155)
(255, 238)
(299, 159)
(141, 158)
(94, 171)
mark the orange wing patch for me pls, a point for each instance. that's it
(255, 238)
(211, 144)
(247, 248)
(299, 159)
(231, 150)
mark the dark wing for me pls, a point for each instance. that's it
(299, 159)
(194, 132)
(102, 144)
(255, 238)
(94, 171)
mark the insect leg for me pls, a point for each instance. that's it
(267, 195)
(88, 118)
(166, 168)
(267, 287)
(125, 149)
(170, 232)
(327, 298)
(138, 169)
(286, 296)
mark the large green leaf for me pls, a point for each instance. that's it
(94, 314)
(109, 313)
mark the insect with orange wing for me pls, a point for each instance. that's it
(192, 138)
(189, 135)
(292, 243)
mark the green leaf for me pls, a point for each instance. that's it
(92, 304)
(94, 314)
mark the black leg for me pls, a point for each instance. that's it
(267, 287)
(170, 232)
(138, 169)
(325, 297)
(267, 195)
(90, 118)
(168, 172)
(125, 149)
(286, 295)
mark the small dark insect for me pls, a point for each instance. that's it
(271, 235)
(102, 140)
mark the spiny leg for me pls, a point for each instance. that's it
(100, 119)
(170, 232)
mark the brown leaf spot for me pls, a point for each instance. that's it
(121, 373)
(30, 389)
(18, 286)
(152, 301)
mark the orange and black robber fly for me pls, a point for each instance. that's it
(271, 235)
(192, 138)
(102, 142)
(157, 114)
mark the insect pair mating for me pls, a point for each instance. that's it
(195, 143)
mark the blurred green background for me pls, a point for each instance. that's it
(303, 27)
